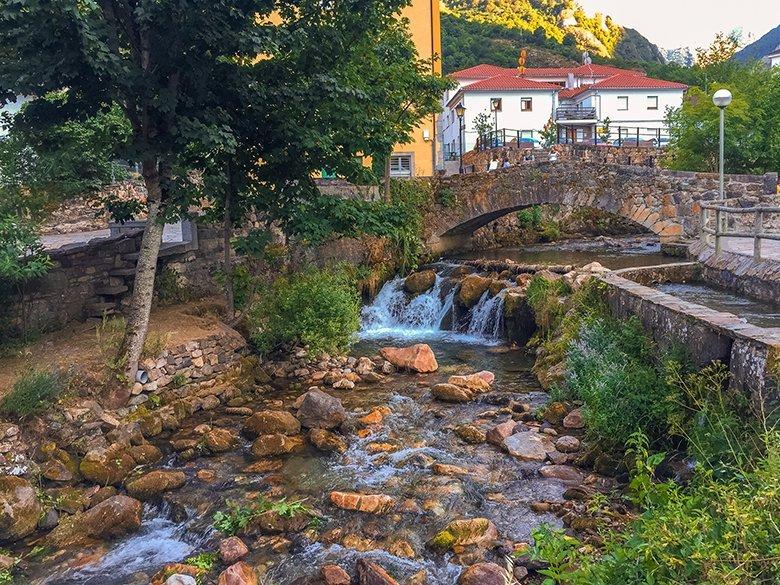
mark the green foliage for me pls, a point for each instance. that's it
(549, 134)
(752, 135)
(22, 256)
(6, 577)
(716, 532)
(178, 380)
(170, 288)
(34, 390)
(530, 217)
(109, 333)
(319, 309)
(204, 561)
(238, 517)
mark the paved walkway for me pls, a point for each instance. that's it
(171, 234)
(770, 249)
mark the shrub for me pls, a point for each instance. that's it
(31, 392)
(319, 309)
(612, 370)
(170, 289)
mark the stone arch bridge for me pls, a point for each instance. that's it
(665, 202)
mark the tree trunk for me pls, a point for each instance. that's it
(143, 290)
(386, 191)
(227, 232)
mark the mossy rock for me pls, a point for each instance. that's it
(473, 531)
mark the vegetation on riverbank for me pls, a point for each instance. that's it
(721, 526)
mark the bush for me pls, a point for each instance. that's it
(611, 369)
(319, 309)
(31, 392)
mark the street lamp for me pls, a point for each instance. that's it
(495, 107)
(721, 98)
(460, 111)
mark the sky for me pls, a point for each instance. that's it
(679, 23)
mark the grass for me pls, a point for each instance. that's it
(237, 517)
(204, 561)
(33, 391)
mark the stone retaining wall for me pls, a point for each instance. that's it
(193, 361)
(739, 272)
(750, 352)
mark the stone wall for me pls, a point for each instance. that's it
(739, 272)
(94, 278)
(750, 352)
(193, 361)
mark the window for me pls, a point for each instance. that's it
(622, 102)
(526, 104)
(652, 102)
(401, 165)
(495, 104)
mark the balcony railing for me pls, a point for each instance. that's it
(506, 137)
(575, 113)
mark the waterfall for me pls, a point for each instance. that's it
(396, 314)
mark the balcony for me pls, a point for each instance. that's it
(572, 113)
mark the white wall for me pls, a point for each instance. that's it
(774, 61)
(638, 114)
(510, 116)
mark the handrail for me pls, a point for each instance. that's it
(756, 233)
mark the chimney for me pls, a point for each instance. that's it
(570, 80)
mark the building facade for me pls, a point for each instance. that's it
(773, 58)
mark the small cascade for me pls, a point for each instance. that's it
(396, 314)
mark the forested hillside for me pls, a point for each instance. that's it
(766, 44)
(555, 32)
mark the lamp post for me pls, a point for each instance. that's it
(495, 106)
(721, 98)
(460, 111)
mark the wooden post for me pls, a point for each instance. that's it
(757, 229)
(718, 229)
(704, 236)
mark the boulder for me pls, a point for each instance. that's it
(529, 445)
(555, 413)
(238, 574)
(154, 483)
(480, 532)
(471, 289)
(145, 454)
(114, 517)
(419, 282)
(369, 503)
(271, 422)
(327, 441)
(471, 434)
(369, 573)
(483, 574)
(109, 466)
(232, 550)
(567, 444)
(562, 472)
(272, 445)
(19, 508)
(452, 393)
(500, 432)
(475, 382)
(179, 579)
(218, 440)
(574, 420)
(334, 575)
(416, 358)
(319, 410)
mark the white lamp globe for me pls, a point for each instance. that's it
(722, 98)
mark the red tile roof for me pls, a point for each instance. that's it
(569, 93)
(482, 71)
(485, 71)
(636, 82)
(509, 82)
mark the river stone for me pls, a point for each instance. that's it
(500, 432)
(19, 508)
(278, 444)
(447, 469)
(319, 410)
(483, 574)
(271, 422)
(555, 413)
(327, 441)
(238, 574)
(419, 282)
(471, 434)
(232, 550)
(416, 358)
(145, 454)
(179, 579)
(109, 466)
(529, 445)
(54, 470)
(334, 575)
(574, 420)
(475, 382)
(561, 472)
(471, 289)
(473, 531)
(369, 503)
(154, 483)
(114, 517)
(567, 444)
(218, 440)
(369, 573)
(451, 393)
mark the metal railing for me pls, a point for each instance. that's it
(755, 230)
(616, 136)
(507, 137)
(575, 113)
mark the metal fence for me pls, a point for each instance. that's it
(614, 136)
(508, 137)
(752, 223)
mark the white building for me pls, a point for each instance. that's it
(773, 58)
(580, 100)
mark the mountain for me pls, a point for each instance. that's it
(761, 47)
(556, 32)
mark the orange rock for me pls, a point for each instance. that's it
(381, 448)
(370, 503)
(238, 574)
(417, 358)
